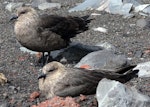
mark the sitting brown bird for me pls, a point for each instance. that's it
(57, 80)
(45, 33)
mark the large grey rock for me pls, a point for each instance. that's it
(111, 6)
(45, 6)
(74, 52)
(12, 6)
(144, 69)
(122, 7)
(115, 94)
(104, 60)
(36, 3)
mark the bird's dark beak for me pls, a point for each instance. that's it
(13, 18)
(42, 75)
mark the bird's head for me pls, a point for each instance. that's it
(24, 12)
(52, 67)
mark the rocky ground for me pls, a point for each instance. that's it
(21, 69)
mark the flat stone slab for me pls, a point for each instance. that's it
(104, 60)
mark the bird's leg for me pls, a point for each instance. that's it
(49, 58)
(45, 59)
(41, 60)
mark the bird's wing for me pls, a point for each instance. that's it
(78, 82)
(49, 21)
(83, 81)
(67, 27)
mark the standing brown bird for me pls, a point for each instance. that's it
(61, 81)
(45, 33)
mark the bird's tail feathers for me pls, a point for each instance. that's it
(83, 23)
(87, 18)
(129, 74)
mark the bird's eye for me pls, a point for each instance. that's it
(52, 69)
(23, 12)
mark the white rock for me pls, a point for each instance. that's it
(101, 29)
(12, 6)
(111, 93)
(44, 6)
(23, 49)
(144, 69)
(95, 14)
(106, 46)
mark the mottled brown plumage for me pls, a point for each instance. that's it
(61, 81)
(45, 33)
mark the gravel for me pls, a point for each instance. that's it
(21, 69)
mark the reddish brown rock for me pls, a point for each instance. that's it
(58, 102)
(34, 95)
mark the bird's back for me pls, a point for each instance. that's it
(66, 27)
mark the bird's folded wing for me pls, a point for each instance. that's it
(83, 81)
(67, 27)
(72, 91)
(78, 82)
(48, 21)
